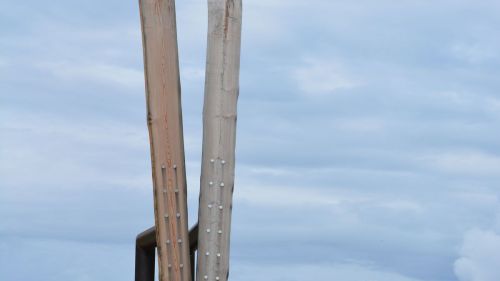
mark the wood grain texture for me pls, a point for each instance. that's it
(164, 119)
(219, 135)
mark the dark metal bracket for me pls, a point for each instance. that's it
(145, 252)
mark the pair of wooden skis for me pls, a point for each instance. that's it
(164, 117)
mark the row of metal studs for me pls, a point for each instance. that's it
(178, 216)
(220, 208)
(179, 225)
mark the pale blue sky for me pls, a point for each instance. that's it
(368, 146)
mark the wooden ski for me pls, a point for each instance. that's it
(219, 132)
(164, 119)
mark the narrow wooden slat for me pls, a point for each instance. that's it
(219, 131)
(164, 119)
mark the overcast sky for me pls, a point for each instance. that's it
(368, 146)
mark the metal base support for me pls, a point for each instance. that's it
(145, 253)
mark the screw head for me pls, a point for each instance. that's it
(205, 277)
(208, 230)
(223, 162)
(207, 254)
(221, 184)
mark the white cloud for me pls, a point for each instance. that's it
(329, 199)
(96, 72)
(474, 52)
(479, 256)
(294, 196)
(86, 261)
(344, 272)
(104, 132)
(3, 62)
(192, 72)
(317, 77)
(465, 162)
(493, 104)
(360, 125)
(477, 198)
(61, 153)
(402, 206)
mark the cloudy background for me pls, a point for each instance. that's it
(367, 147)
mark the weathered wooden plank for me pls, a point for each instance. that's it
(219, 132)
(164, 118)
